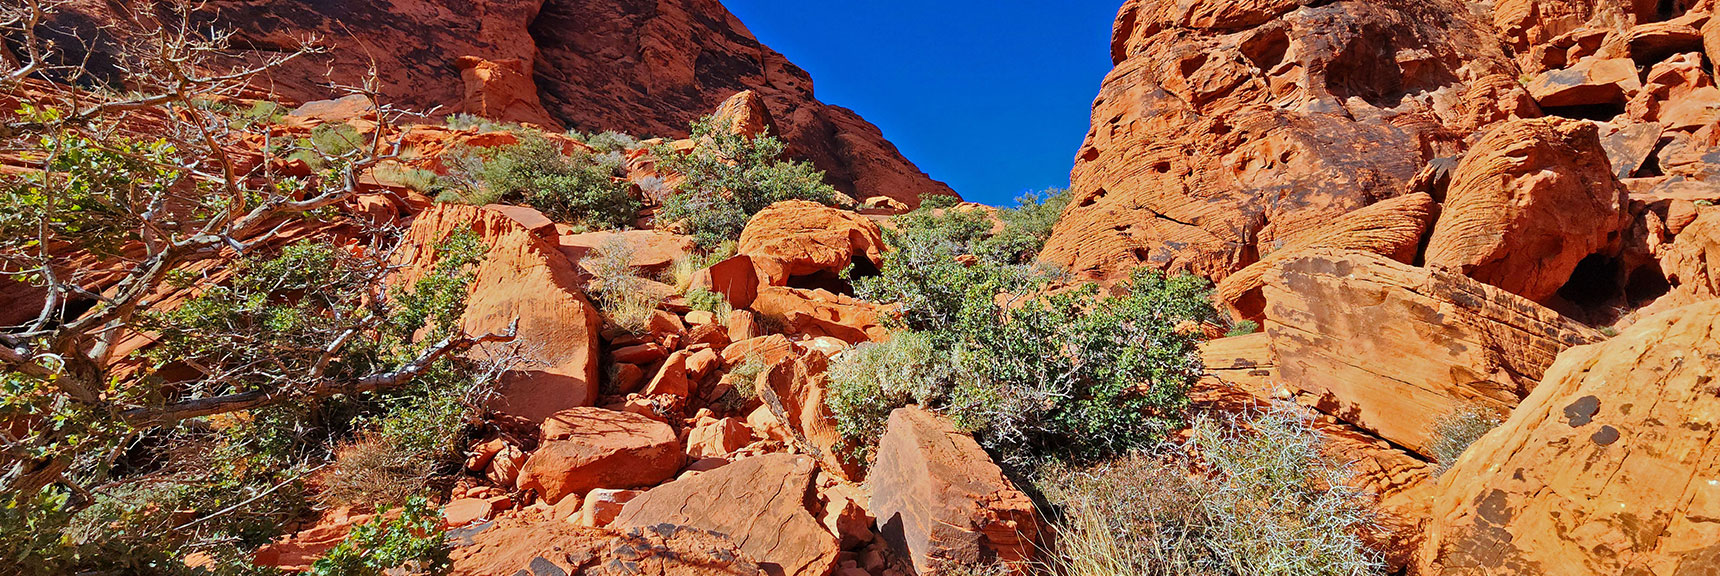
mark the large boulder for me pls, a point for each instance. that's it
(795, 239)
(1529, 202)
(760, 502)
(522, 279)
(1392, 228)
(1390, 347)
(1692, 261)
(1609, 467)
(745, 114)
(1591, 82)
(588, 448)
(941, 501)
(1227, 127)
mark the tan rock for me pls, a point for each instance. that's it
(521, 279)
(466, 511)
(941, 501)
(760, 502)
(718, 439)
(1607, 468)
(1527, 204)
(1391, 228)
(589, 448)
(798, 238)
(1390, 347)
(601, 506)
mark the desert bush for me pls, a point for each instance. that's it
(1075, 375)
(463, 121)
(868, 381)
(413, 542)
(582, 189)
(607, 141)
(1454, 431)
(1026, 227)
(618, 291)
(713, 302)
(1249, 494)
(729, 177)
(1242, 328)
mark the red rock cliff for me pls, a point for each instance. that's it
(645, 67)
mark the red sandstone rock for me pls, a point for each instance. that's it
(651, 250)
(588, 448)
(735, 278)
(760, 502)
(601, 506)
(767, 350)
(1390, 347)
(1692, 261)
(672, 378)
(502, 91)
(1607, 468)
(821, 313)
(466, 511)
(1678, 94)
(1211, 143)
(718, 439)
(795, 390)
(940, 499)
(640, 354)
(1592, 82)
(521, 279)
(1530, 201)
(799, 238)
(745, 114)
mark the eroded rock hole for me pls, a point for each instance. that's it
(1596, 112)
(1595, 283)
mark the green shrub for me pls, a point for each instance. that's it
(583, 189)
(729, 177)
(1455, 431)
(463, 121)
(872, 379)
(1026, 227)
(713, 302)
(607, 141)
(1243, 328)
(412, 541)
(1258, 496)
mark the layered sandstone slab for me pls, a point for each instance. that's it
(1609, 467)
(799, 238)
(1390, 347)
(589, 448)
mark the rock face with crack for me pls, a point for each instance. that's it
(1390, 347)
(1607, 468)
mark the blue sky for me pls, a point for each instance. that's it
(989, 96)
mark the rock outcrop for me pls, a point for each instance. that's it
(1227, 128)
(645, 67)
(1530, 201)
(523, 279)
(808, 245)
(552, 548)
(821, 313)
(940, 500)
(589, 448)
(760, 502)
(502, 91)
(1607, 468)
(1390, 347)
(1392, 228)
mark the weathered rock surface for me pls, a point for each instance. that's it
(1392, 228)
(552, 547)
(1607, 468)
(940, 500)
(797, 238)
(588, 448)
(821, 313)
(760, 502)
(795, 390)
(1692, 261)
(1527, 204)
(1226, 128)
(1390, 347)
(522, 278)
(645, 67)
